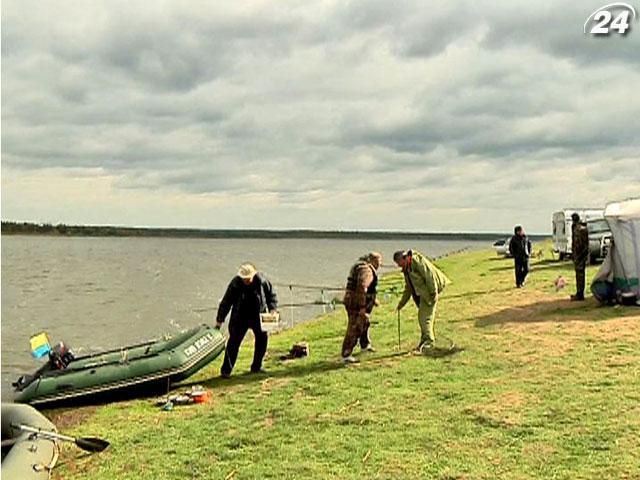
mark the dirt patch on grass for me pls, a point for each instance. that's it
(613, 329)
(503, 411)
(513, 400)
(269, 420)
(622, 361)
(270, 384)
(537, 450)
(67, 418)
(557, 322)
(540, 326)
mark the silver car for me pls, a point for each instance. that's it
(502, 247)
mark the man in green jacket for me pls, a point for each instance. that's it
(423, 282)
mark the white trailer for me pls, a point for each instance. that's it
(561, 227)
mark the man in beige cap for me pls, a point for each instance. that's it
(359, 300)
(249, 293)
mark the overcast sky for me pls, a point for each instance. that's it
(426, 116)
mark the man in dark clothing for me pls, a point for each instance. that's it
(249, 293)
(359, 300)
(520, 249)
(580, 253)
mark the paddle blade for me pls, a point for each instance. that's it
(91, 444)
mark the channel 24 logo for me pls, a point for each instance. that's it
(614, 17)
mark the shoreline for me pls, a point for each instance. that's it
(34, 229)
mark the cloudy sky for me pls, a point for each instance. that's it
(405, 115)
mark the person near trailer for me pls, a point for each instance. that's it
(520, 249)
(580, 254)
(359, 301)
(249, 293)
(424, 282)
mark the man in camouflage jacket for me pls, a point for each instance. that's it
(359, 300)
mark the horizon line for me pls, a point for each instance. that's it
(270, 230)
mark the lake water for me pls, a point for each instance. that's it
(96, 293)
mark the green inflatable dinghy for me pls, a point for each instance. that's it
(135, 368)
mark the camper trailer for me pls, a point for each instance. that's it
(561, 227)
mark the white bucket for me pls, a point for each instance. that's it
(269, 321)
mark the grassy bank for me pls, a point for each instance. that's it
(542, 388)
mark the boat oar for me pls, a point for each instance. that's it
(90, 444)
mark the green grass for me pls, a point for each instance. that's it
(542, 388)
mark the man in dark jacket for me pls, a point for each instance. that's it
(249, 293)
(520, 249)
(580, 253)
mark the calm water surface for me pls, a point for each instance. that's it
(97, 293)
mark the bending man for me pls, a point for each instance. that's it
(359, 300)
(423, 282)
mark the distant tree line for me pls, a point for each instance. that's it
(28, 228)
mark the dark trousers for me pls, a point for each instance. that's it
(522, 269)
(237, 331)
(580, 280)
(364, 338)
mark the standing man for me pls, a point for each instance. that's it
(424, 282)
(249, 293)
(580, 253)
(359, 300)
(520, 249)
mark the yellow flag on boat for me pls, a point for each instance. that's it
(40, 345)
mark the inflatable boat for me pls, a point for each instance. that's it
(135, 368)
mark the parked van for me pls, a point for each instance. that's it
(561, 227)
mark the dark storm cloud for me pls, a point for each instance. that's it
(172, 48)
(495, 134)
(558, 30)
(414, 29)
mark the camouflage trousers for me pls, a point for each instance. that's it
(357, 331)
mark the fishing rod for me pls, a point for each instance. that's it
(309, 287)
(309, 304)
(283, 305)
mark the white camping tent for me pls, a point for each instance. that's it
(621, 269)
